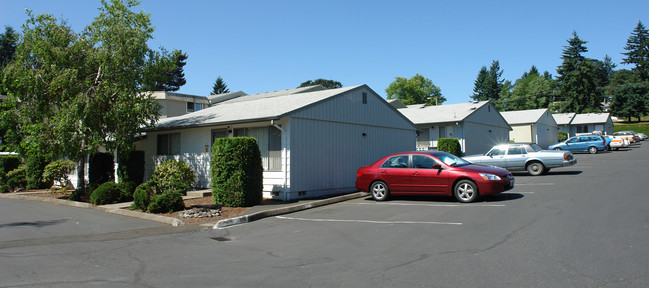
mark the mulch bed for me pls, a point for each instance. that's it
(226, 212)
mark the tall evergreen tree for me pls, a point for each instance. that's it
(219, 87)
(174, 77)
(630, 100)
(480, 85)
(577, 79)
(488, 85)
(8, 42)
(637, 47)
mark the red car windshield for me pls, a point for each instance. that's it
(451, 159)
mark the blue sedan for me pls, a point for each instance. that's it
(590, 143)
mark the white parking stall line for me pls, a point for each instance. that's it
(368, 221)
(535, 184)
(436, 205)
(523, 192)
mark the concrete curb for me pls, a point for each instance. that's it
(49, 200)
(117, 209)
(111, 208)
(147, 216)
(285, 210)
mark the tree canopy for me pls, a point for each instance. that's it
(327, 84)
(219, 87)
(173, 76)
(488, 84)
(8, 41)
(70, 94)
(578, 79)
(531, 91)
(416, 90)
(637, 51)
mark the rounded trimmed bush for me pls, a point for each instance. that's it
(173, 175)
(17, 178)
(142, 196)
(449, 145)
(107, 193)
(237, 173)
(167, 202)
(111, 192)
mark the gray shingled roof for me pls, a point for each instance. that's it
(590, 118)
(251, 108)
(523, 116)
(422, 114)
(563, 118)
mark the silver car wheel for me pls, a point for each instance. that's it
(592, 150)
(535, 168)
(465, 191)
(380, 191)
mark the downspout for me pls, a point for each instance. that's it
(285, 158)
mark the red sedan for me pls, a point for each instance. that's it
(431, 172)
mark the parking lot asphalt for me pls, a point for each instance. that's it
(579, 226)
(279, 208)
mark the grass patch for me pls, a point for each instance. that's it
(638, 127)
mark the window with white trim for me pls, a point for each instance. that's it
(269, 140)
(168, 144)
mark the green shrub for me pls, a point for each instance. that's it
(17, 178)
(237, 173)
(173, 175)
(127, 189)
(34, 168)
(8, 163)
(111, 192)
(101, 168)
(449, 145)
(167, 202)
(58, 171)
(143, 194)
(562, 136)
(131, 167)
(79, 193)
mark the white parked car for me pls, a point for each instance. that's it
(617, 142)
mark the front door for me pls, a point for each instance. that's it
(425, 179)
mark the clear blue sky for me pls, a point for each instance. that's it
(261, 46)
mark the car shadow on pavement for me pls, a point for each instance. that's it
(552, 172)
(505, 196)
(33, 224)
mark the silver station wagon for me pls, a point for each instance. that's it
(524, 157)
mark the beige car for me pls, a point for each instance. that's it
(625, 135)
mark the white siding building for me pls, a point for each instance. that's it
(312, 141)
(535, 125)
(589, 122)
(573, 123)
(477, 125)
(175, 104)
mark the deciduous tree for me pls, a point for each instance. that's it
(71, 94)
(327, 84)
(416, 90)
